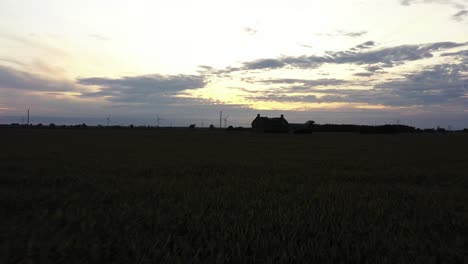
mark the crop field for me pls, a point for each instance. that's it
(160, 196)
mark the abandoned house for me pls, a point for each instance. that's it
(270, 125)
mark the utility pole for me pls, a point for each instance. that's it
(28, 116)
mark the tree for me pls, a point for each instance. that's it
(309, 124)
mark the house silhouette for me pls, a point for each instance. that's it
(270, 125)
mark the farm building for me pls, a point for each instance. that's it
(270, 125)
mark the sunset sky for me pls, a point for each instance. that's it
(336, 61)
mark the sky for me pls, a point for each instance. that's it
(336, 61)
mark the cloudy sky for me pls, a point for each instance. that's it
(336, 61)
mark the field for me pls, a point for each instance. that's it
(148, 196)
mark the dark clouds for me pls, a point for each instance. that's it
(440, 84)
(143, 89)
(11, 78)
(359, 55)
(264, 64)
(364, 74)
(460, 54)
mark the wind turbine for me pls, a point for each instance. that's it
(220, 118)
(108, 120)
(158, 119)
(225, 120)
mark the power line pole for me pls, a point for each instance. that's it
(28, 116)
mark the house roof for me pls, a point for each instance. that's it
(274, 121)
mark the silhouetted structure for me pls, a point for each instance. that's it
(306, 128)
(270, 125)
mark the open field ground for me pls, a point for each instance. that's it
(147, 196)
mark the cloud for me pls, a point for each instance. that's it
(342, 33)
(359, 55)
(459, 16)
(354, 34)
(459, 5)
(285, 98)
(390, 56)
(99, 37)
(34, 42)
(12, 61)
(250, 31)
(144, 89)
(461, 55)
(264, 64)
(374, 68)
(15, 79)
(365, 45)
(306, 84)
(364, 74)
(437, 85)
(306, 46)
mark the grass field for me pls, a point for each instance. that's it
(147, 196)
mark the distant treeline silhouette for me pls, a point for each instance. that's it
(350, 128)
(367, 129)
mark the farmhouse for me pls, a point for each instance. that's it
(270, 125)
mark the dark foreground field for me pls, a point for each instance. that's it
(142, 196)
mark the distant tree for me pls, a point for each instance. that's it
(440, 130)
(212, 127)
(51, 125)
(309, 124)
(192, 126)
(131, 126)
